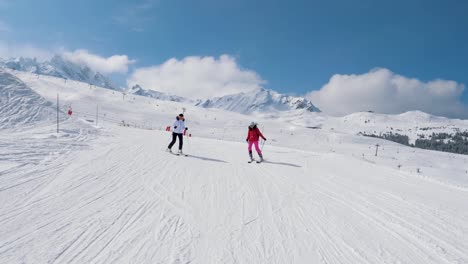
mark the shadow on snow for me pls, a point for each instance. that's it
(283, 163)
(207, 159)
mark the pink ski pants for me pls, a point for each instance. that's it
(256, 147)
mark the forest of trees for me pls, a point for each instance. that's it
(453, 143)
(395, 137)
(457, 143)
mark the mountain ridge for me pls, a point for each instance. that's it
(59, 67)
(262, 100)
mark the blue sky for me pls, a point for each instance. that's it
(295, 46)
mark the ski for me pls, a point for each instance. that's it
(182, 154)
(177, 154)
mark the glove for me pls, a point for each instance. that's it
(175, 127)
(186, 128)
(264, 139)
(247, 140)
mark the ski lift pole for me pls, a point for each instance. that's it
(57, 112)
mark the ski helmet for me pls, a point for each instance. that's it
(252, 124)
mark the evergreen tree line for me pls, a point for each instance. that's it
(395, 137)
(456, 143)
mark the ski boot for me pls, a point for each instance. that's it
(261, 158)
(251, 157)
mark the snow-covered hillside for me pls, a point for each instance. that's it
(58, 66)
(109, 193)
(413, 124)
(19, 105)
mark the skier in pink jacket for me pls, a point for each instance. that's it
(253, 137)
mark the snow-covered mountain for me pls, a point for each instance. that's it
(262, 100)
(59, 67)
(138, 90)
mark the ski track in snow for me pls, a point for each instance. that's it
(122, 199)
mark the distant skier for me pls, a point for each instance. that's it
(253, 136)
(178, 129)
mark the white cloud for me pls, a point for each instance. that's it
(8, 50)
(113, 64)
(197, 77)
(383, 91)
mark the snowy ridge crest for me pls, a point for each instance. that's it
(59, 67)
(138, 90)
(262, 100)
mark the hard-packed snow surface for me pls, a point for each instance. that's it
(109, 193)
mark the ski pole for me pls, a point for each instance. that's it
(263, 129)
(188, 143)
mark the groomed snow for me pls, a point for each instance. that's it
(111, 194)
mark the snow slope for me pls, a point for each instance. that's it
(19, 105)
(115, 196)
(413, 123)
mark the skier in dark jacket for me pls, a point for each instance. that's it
(178, 129)
(253, 136)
